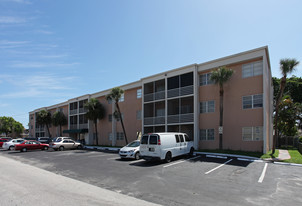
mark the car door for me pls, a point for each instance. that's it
(28, 145)
(177, 147)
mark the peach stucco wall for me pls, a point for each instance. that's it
(128, 107)
(234, 116)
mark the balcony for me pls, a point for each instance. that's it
(154, 120)
(182, 91)
(180, 118)
(154, 96)
(74, 111)
(73, 126)
(83, 126)
(82, 110)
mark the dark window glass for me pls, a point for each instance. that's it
(177, 138)
(186, 79)
(181, 138)
(173, 82)
(153, 139)
(144, 139)
(187, 138)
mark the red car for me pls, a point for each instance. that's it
(2, 140)
(31, 145)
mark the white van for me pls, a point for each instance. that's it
(165, 146)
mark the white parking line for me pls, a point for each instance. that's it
(218, 167)
(175, 163)
(104, 155)
(262, 174)
(113, 158)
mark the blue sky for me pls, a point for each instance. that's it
(54, 50)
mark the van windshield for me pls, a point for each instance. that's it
(153, 139)
(144, 139)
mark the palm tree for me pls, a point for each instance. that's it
(44, 119)
(59, 119)
(287, 66)
(220, 77)
(115, 95)
(95, 111)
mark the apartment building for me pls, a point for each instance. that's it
(184, 100)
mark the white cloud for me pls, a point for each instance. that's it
(17, 1)
(44, 32)
(11, 20)
(5, 44)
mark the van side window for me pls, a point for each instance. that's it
(187, 138)
(177, 138)
(144, 139)
(153, 139)
(181, 138)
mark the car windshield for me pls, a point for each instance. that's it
(134, 144)
(58, 140)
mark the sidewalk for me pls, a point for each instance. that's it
(283, 155)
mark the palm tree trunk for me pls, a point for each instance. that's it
(120, 116)
(276, 135)
(96, 133)
(60, 130)
(48, 130)
(221, 117)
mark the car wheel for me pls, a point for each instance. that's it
(79, 147)
(191, 152)
(168, 157)
(136, 156)
(10, 148)
(24, 149)
(61, 148)
(45, 148)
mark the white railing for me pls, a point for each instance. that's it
(180, 118)
(154, 120)
(74, 111)
(182, 91)
(73, 126)
(83, 126)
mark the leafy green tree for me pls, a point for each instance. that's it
(59, 119)
(115, 96)
(286, 66)
(288, 116)
(95, 111)
(292, 88)
(9, 125)
(220, 77)
(18, 128)
(44, 119)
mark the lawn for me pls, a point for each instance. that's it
(270, 155)
(296, 156)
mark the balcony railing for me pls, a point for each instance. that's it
(82, 110)
(154, 120)
(73, 126)
(154, 96)
(83, 126)
(38, 129)
(180, 118)
(182, 91)
(74, 111)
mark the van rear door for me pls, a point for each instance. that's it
(183, 145)
(154, 145)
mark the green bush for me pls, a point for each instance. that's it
(300, 139)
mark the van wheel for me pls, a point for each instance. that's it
(168, 157)
(191, 152)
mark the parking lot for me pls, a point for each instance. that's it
(198, 180)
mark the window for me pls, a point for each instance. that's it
(187, 138)
(110, 136)
(205, 79)
(119, 136)
(110, 117)
(139, 93)
(139, 115)
(144, 139)
(252, 69)
(206, 134)
(122, 98)
(177, 138)
(153, 139)
(252, 133)
(207, 107)
(252, 101)
(181, 138)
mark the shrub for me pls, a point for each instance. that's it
(300, 139)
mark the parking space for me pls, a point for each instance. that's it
(185, 180)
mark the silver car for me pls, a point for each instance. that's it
(62, 144)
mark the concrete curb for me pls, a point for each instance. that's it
(102, 148)
(286, 163)
(219, 155)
